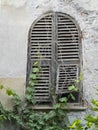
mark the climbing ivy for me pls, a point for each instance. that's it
(24, 117)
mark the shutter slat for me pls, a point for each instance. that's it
(41, 34)
(68, 35)
(68, 32)
(65, 23)
(68, 46)
(41, 38)
(40, 94)
(39, 41)
(45, 31)
(62, 26)
(46, 27)
(40, 44)
(36, 47)
(72, 42)
(67, 29)
(41, 29)
(67, 51)
(40, 86)
(63, 20)
(44, 23)
(70, 38)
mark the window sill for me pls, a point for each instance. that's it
(69, 107)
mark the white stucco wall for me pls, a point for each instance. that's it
(16, 17)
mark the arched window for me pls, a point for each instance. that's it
(55, 42)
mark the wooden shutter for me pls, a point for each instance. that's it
(54, 41)
(68, 53)
(40, 49)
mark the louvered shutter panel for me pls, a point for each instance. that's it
(40, 48)
(68, 53)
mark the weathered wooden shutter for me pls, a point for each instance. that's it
(54, 41)
(68, 53)
(40, 49)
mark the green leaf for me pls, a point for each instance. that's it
(61, 113)
(32, 83)
(89, 124)
(77, 81)
(1, 86)
(75, 123)
(63, 100)
(35, 70)
(28, 97)
(33, 101)
(72, 97)
(72, 88)
(91, 118)
(29, 89)
(57, 106)
(33, 76)
(51, 114)
(94, 102)
(36, 63)
(10, 92)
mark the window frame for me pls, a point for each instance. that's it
(80, 52)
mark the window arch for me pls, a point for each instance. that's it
(55, 42)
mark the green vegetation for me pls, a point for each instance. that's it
(25, 118)
(91, 121)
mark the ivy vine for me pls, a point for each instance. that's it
(24, 117)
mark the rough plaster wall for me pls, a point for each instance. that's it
(16, 16)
